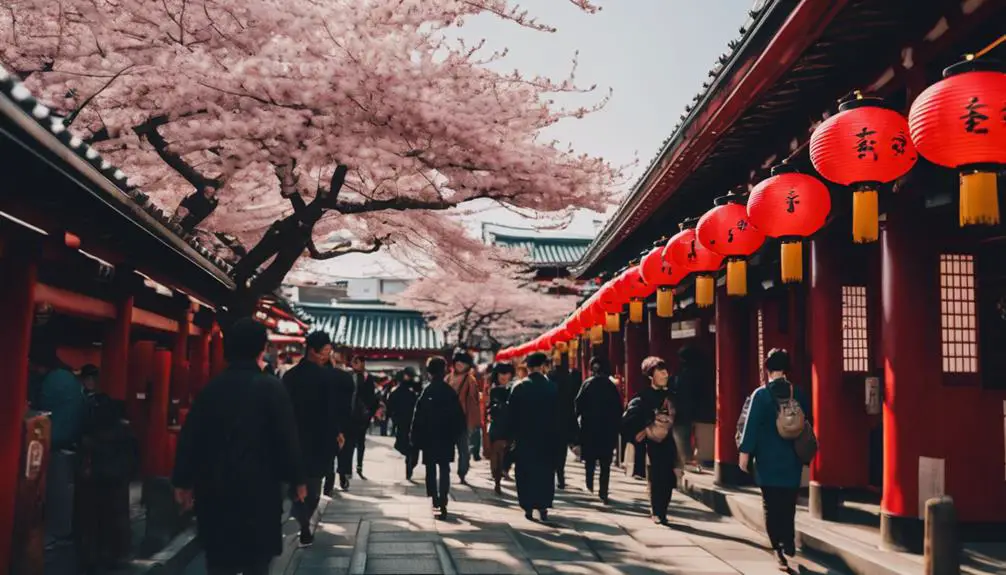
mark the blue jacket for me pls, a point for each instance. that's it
(776, 463)
(61, 394)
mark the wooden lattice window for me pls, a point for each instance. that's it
(855, 332)
(958, 313)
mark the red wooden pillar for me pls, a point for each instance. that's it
(636, 348)
(180, 361)
(616, 358)
(115, 351)
(731, 353)
(155, 462)
(659, 332)
(18, 268)
(911, 356)
(199, 365)
(217, 361)
(834, 404)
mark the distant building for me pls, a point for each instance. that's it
(551, 254)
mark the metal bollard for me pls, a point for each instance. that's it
(942, 549)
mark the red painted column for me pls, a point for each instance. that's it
(18, 268)
(616, 358)
(155, 462)
(217, 361)
(731, 352)
(636, 349)
(199, 364)
(659, 335)
(909, 277)
(839, 457)
(180, 361)
(115, 351)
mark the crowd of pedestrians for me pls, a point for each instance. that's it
(248, 434)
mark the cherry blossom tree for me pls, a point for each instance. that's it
(282, 129)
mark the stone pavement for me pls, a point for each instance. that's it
(385, 524)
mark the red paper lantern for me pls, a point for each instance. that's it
(656, 270)
(960, 122)
(725, 230)
(638, 291)
(789, 206)
(864, 145)
(685, 252)
(611, 301)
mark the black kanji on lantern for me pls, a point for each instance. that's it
(974, 117)
(792, 199)
(898, 143)
(730, 236)
(692, 255)
(864, 145)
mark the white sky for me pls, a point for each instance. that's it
(654, 54)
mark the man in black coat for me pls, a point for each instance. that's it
(436, 425)
(363, 405)
(237, 447)
(321, 410)
(532, 410)
(599, 407)
(344, 379)
(565, 416)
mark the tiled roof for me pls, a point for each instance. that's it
(11, 88)
(364, 327)
(543, 248)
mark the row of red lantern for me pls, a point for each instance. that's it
(959, 122)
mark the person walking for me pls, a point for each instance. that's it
(498, 420)
(533, 406)
(463, 382)
(401, 407)
(363, 404)
(237, 446)
(321, 414)
(565, 416)
(336, 366)
(778, 469)
(599, 408)
(649, 418)
(690, 382)
(436, 425)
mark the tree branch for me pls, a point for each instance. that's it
(74, 114)
(148, 130)
(343, 249)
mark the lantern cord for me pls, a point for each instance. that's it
(990, 47)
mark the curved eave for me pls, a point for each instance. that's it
(782, 32)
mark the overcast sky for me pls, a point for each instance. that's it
(654, 55)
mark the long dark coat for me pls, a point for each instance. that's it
(497, 414)
(366, 403)
(437, 423)
(567, 389)
(401, 407)
(321, 408)
(599, 407)
(238, 444)
(641, 412)
(532, 410)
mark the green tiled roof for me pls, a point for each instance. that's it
(543, 248)
(371, 327)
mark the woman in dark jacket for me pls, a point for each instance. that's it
(436, 426)
(401, 406)
(496, 415)
(778, 469)
(664, 466)
(599, 407)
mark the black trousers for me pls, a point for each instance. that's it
(438, 482)
(304, 510)
(590, 466)
(411, 460)
(560, 467)
(779, 504)
(661, 481)
(354, 443)
(258, 568)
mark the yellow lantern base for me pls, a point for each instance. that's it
(596, 335)
(636, 311)
(791, 267)
(561, 346)
(979, 199)
(737, 277)
(705, 290)
(665, 302)
(865, 216)
(612, 323)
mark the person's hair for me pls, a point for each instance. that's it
(317, 340)
(462, 356)
(437, 367)
(653, 363)
(537, 359)
(777, 360)
(359, 358)
(245, 340)
(500, 368)
(599, 364)
(89, 370)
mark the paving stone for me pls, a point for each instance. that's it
(324, 562)
(479, 567)
(400, 565)
(390, 548)
(403, 537)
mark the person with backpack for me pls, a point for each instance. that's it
(497, 416)
(649, 418)
(775, 437)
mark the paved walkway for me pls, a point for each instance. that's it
(384, 524)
